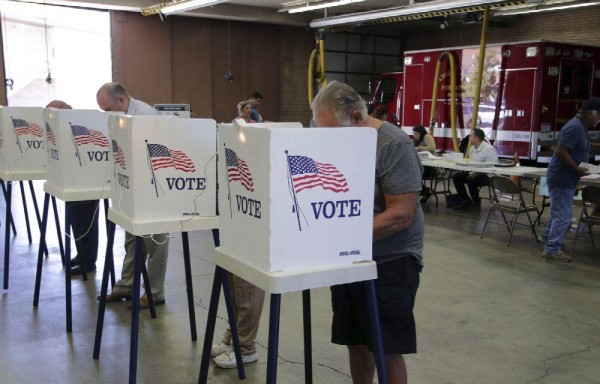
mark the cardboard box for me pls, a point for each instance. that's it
(296, 198)
(79, 157)
(164, 169)
(22, 143)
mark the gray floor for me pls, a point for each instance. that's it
(485, 313)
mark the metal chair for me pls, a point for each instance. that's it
(589, 195)
(508, 199)
(436, 177)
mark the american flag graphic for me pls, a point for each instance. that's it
(118, 155)
(82, 136)
(163, 157)
(307, 173)
(50, 134)
(22, 127)
(238, 170)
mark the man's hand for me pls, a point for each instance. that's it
(582, 171)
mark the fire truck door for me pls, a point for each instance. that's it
(513, 132)
(414, 113)
(575, 86)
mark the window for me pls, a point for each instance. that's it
(53, 52)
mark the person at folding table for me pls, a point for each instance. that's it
(398, 228)
(564, 172)
(114, 97)
(481, 152)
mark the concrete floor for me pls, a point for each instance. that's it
(485, 314)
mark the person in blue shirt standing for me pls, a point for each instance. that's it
(563, 176)
(256, 99)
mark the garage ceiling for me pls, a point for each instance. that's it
(266, 11)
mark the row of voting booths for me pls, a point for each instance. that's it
(284, 198)
(289, 197)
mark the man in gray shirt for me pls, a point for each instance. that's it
(113, 97)
(398, 228)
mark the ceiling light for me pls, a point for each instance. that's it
(544, 9)
(183, 6)
(318, 5)
(435, 8)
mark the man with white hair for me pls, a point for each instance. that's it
(398, 227)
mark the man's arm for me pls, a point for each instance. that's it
(562, 153)
(398, 215)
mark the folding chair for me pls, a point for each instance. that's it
(589, 195)
(508, 199)
(437, 176)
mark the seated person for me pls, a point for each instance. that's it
(380, 113)
(424, 142)
(482, 152)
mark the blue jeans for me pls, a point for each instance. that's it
(561, 215)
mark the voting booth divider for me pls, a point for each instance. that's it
(22, 143)
(296, 213)
(164, 172)
(292, 198)
(164, 180)
(22, 158)
(79, 162)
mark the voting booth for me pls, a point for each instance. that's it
(296, 198)
(22, 143)
(164, 171)
(79, 158)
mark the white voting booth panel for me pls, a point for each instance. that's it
(164, 172)
(296, 198)
(79, 160)
(22, 143)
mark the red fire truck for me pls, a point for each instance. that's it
(529, 91)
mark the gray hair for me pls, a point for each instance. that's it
(340, 99)
(242, 104)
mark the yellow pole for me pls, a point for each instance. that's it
(432, 121)
(482, 45)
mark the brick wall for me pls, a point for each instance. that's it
(576, 26)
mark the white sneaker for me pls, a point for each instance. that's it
(219, 349)
(227, 360)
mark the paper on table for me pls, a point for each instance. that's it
(591, 167)
(427, 155)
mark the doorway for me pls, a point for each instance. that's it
(54, 52)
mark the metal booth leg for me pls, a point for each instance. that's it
(306, 311)
(376, 331)
(210, 324)
(37, 211)
(108, 266)
(12, 223)
(38, 273)
(58, 231)
(235, 337)
(188, 284)
(7, 232)
(274, 318)
(135, 310)
(25, 211)
(69, 308)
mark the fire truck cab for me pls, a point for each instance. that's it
(529, 91)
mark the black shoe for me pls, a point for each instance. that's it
(75, 261)
(78, 271)
(463, 205)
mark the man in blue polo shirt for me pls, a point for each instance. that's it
(564, 173)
